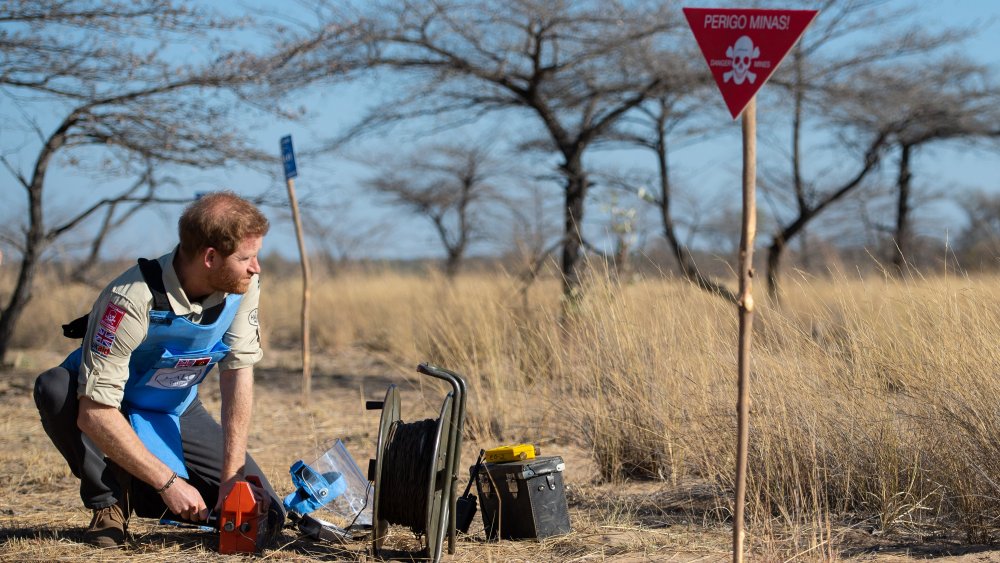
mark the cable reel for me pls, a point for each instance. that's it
(415, 470)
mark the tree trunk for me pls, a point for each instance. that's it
(799, 102)
(576, 193)
(452, 264)
(34, 243)
(35, 238)
(806, 214)
(776, 250)
(683, 256)
(902, 234)
(621, 258)
(774, 254)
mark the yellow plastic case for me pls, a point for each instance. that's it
(519, 452)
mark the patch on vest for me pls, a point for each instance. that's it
(193, 362)
(253, 317)
(103, 339)
(112, 317)
(176, 378)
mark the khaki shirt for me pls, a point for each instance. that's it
(124, 306)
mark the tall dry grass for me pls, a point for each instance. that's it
(874, 402)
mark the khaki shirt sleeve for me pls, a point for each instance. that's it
(116, 327)
(243, 336)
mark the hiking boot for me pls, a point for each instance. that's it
(108, 527)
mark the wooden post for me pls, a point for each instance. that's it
(718, 43)
(746, 307)
(304, 257)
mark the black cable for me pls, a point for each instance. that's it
(368, 490)
(406, 474)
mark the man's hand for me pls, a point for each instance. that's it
(185, 501)
(224, 489)
(259, 493)
(112, 433)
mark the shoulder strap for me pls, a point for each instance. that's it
(153, 274)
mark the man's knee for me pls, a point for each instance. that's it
(53, 390)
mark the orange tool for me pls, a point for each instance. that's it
(243, 520)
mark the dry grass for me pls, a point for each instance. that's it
(874, 419)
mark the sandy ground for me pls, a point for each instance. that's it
(41, 516)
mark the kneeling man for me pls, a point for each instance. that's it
(123, 409)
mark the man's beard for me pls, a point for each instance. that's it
(228, 282)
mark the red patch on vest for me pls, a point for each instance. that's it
(112, 317)
(192, 362)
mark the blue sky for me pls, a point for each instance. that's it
(336, 178)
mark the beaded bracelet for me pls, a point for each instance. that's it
(166, 485)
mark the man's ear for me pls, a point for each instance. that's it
(208, 256)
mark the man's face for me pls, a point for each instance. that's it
(233, 273)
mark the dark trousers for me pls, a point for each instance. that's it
(201, 436)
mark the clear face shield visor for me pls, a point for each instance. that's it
(331, 489)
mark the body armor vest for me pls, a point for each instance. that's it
(166, 368)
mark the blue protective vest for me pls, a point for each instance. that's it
(164, 373)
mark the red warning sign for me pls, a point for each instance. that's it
(743, 47)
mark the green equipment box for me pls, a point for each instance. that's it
(523, 499)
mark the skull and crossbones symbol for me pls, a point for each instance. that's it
(742, 53)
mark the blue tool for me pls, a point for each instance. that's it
(313, 489)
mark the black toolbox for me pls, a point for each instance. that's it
(523, 499)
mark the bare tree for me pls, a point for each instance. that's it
(576, 67)
(826, 84)
(448, 185)
(116, 213)
(108, 64)
(946, 99)
(650, 126)
(534, 237)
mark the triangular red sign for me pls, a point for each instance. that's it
(744, 47)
